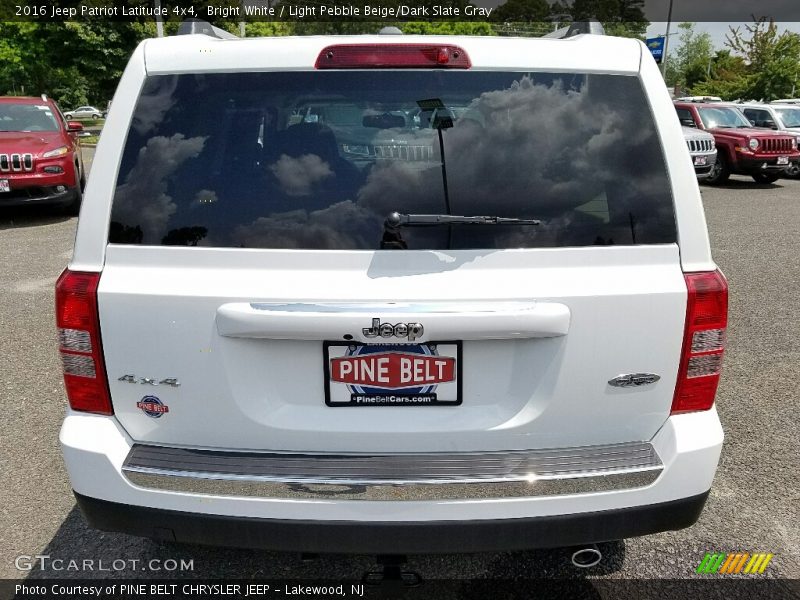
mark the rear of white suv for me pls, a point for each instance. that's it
(407, 295)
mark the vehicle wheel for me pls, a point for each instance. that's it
(793, 171)
(73, 208)
(765, 177)
(720, 172)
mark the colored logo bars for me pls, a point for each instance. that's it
(734, 562)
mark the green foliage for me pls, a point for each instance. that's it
(267, 29)
(608, 10)
(774, 59)
(623, 18)
(629, 29)
(760, 65)
(524, 11)
(81, 62)
(446, 28)
(729, 77)
(689, 64)
(75, 63)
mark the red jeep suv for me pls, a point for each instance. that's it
(40, 157)
(741, 149)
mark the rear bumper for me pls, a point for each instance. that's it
(382, 537)
(96, 449)
(395, 477)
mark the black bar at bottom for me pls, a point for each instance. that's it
(407, 537)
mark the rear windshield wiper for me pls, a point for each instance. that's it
(392, 239)
(395, 220)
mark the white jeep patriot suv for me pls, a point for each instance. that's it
(391, 294)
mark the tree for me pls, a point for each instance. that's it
(524, 11)
(268, 28)
(75, 63)
(729, 77)
(773, 60)
(623, 18)
(691, 62)
(611, 11)
(759, 65)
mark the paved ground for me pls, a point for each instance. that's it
(753, 505)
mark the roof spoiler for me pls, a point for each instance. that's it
(592, 26)
(193, 26)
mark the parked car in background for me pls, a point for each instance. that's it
(699, 99)
(741, 148)
(782, 117)
(84, 112)
(702, 149)
(786, 101)
(40, 157)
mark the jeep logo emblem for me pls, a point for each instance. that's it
(386, 330)
(634, 379)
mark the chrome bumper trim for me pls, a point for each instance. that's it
(512, 474)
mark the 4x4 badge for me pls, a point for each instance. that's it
(150, 380)
(634, 379)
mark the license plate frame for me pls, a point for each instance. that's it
(5, 185)
(700, 161)
(783, 161)
(345, 396)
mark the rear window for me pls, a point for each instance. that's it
(318, 160)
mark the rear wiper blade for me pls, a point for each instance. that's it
(396, 220)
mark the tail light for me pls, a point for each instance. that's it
(393, 56)
(703, 342)
(78, 325)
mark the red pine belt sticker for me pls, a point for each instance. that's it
(393, 370)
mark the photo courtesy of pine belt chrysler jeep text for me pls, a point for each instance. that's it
(391, 294)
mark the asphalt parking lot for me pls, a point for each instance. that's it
(753, 507)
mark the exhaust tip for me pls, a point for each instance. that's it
(584, 558)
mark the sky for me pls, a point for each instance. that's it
(716, 30)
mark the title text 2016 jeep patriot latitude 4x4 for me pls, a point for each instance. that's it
(392, 294)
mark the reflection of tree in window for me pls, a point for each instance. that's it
(184, 236)
(125, 234)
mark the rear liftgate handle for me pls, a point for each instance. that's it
(420, 321)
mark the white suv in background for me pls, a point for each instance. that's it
(470, 305)
(702, 150)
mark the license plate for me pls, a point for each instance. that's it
(4, 185)
(783, 160)
(392, 374)
(700, 161)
